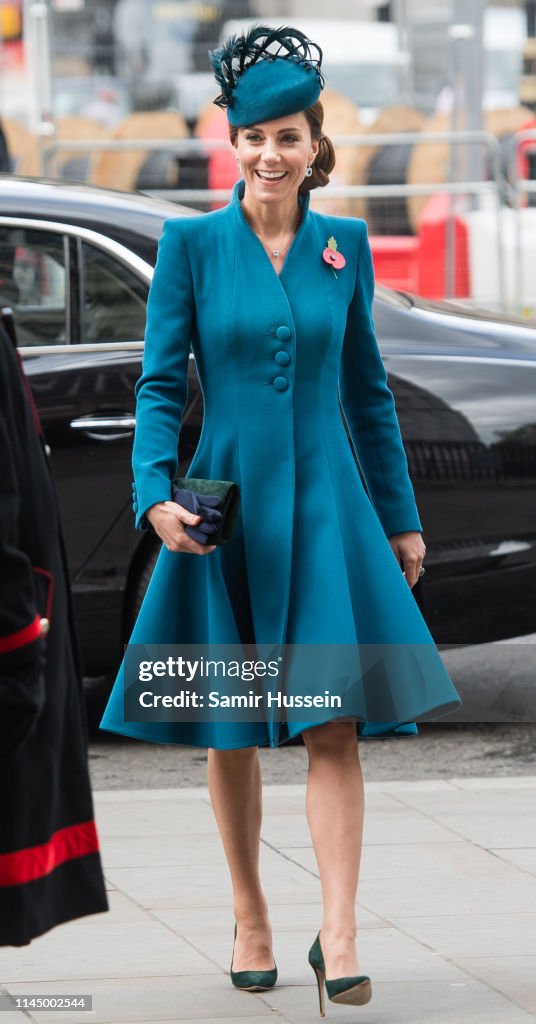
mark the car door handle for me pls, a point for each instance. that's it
(100, 427)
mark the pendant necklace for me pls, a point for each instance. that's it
(280, 252)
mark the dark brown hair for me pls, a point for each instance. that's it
(325, 158)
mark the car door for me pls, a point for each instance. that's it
(464, 384)
(80, 319)
(110, 316)
(79, 303)
(468, 428)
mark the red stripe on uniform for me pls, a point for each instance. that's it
(21, 637)
(36, 861)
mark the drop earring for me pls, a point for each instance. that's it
(309, 171)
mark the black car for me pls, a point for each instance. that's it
(76, 265)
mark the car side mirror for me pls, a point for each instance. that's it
(8, 323)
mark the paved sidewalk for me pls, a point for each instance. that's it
(446, 911)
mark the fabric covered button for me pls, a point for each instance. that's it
(281, 383)
(283, 333)
(282, 358)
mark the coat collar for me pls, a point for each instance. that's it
(236, 202)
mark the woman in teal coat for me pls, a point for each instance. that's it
(275, 301)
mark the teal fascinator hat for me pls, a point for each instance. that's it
(267, 73)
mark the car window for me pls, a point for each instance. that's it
(33, 283)
(113, 298)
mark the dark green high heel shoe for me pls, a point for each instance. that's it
(252, 981)
(354, 991)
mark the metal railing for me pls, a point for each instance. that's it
(497, 187)
(519, 187)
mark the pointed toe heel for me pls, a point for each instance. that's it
(355, 990)
(252, 981)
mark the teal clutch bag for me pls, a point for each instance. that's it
(216, 501)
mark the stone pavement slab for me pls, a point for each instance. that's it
(446, 911)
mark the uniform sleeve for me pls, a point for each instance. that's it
(369, 408)
(162, 389)
(22, 687)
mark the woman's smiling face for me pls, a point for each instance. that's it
(274, 156)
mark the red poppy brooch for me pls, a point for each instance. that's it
(332, 256)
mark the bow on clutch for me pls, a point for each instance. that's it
(216, 501)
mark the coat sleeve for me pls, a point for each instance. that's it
(162, 389)
(369, 407)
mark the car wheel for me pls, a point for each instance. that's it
(141, 577)
(141, 571)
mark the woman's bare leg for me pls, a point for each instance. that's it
(335, 809)
(234, 782)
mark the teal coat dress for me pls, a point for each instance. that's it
(310, 561)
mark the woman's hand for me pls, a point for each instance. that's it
(410, 547)
(167, 518)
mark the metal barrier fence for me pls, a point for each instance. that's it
(495, 192)
(519, 188)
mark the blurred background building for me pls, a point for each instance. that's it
(404, 79)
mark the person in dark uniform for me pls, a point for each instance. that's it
(50, 868)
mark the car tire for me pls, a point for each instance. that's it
(141, 571)
(141, 578)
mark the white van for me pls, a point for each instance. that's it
(503, 37)
(505, 33)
